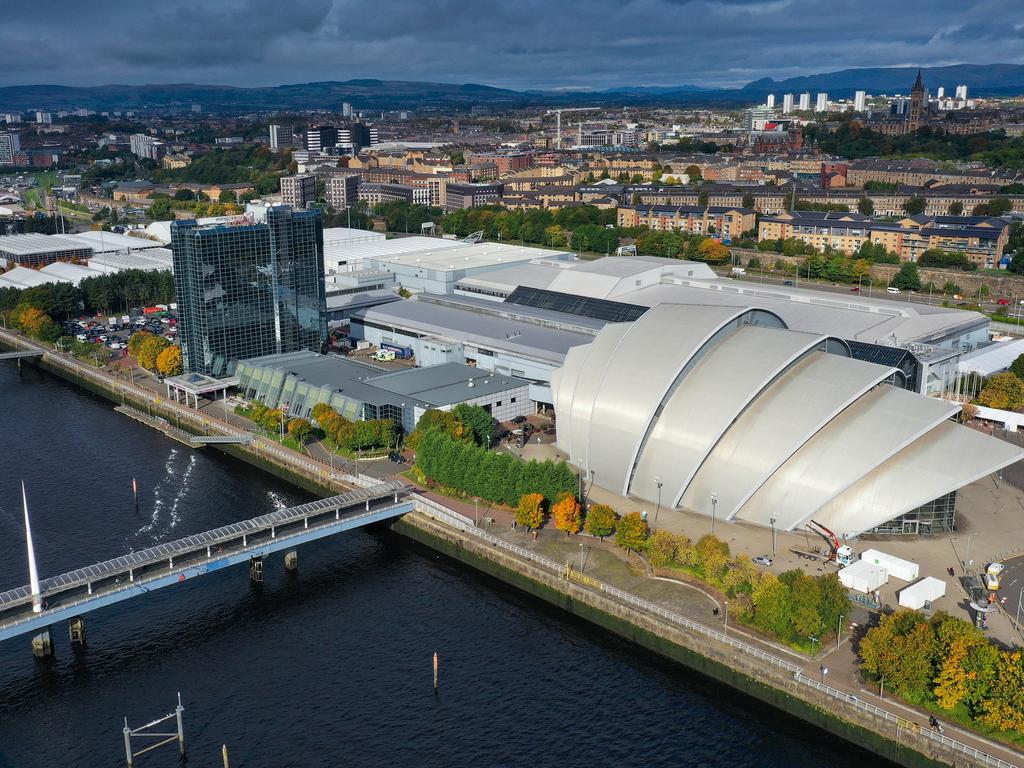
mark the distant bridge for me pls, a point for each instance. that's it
(33, 608)
(19, 355)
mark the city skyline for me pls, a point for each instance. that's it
(253, 43)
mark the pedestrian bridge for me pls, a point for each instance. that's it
(19, 355)
(69, 596)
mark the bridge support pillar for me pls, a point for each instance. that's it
(291, 560)
(76, 631)
(42, 645)
(256, 569)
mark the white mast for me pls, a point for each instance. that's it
(33, 573)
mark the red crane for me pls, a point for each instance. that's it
(833, 540)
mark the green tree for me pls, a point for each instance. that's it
(866, 206)
(227, 196)
(479, 422)
(956, 208)
(1004, 391)
(601, 520)
(711, 557)
(913, 206)
(662, 549)
(748, 201)
(908, 278)
(1005, 708)
(631, 532)
(900, 649)
(169, 362)
(1017, 367)
(300, 429)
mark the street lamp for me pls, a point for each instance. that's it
(813, 641)
(726, 604)
(824, 671)
(772, 521)
(714, 503)
(967, 554)
(581, 557)
(839, 630)
(476, 511)
(657, 482)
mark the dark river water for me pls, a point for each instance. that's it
(328, 667)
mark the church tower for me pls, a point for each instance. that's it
(915, 114)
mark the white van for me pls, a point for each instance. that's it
(892, 290)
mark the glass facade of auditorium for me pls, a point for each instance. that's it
(937, 516)
(249, 290)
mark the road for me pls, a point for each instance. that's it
(1011, 586)
(867, 291)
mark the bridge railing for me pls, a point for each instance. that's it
(463, 523)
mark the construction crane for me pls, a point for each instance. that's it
(558, 114)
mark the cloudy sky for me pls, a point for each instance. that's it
(507, 43)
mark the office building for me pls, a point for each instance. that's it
(358, 135)
(805, 102)
(346, 109)
(321, 138)
(298, 191)
(459, 196)
(770, 103)
(859, 101)
(821, 103)
(46, 118)
(787, 103)
(10, 145)
(147, 147)
(940, 93)
(250, 289)
(342, 191)
(961, 93)
(280, 137)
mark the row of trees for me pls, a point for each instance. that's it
(681, 245)
(100, 294)
(155, 353)
(948, 663)
(465, 468)
(359, 435)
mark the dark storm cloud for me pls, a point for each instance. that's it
(512, 43)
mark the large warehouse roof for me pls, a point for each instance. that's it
(649, 281)
(33, 243)
(725, 410)
(112, 242)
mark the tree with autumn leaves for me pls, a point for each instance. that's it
(566, 514)
(948, 662)
(530, 511)
(601, 521)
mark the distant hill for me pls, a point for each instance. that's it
(364, 94)
(981, 79)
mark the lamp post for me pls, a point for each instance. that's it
(824, 671)
(839, 630)
(714, 503)
(967, 554)
(813, 641)
(657, 482)
(476, 511)
(726, 604)
(772, 521)
(581, 557)
(1019, 601)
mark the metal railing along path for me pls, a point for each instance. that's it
(446, 515)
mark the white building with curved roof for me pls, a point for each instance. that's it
(723, 410)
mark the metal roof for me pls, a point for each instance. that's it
(32, 243)
(721, 416)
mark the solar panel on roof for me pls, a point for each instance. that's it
(599, 309)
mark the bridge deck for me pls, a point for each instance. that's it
(95, 586)
(17, 355)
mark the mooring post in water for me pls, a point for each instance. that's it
(435, 671)
(224, 754)
(135, 494)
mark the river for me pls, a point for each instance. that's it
(330, 666)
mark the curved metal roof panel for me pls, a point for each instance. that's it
(648, 360)
(706, 402)
(877, 425)
(783, 417)
(947, 458)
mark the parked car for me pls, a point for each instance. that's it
(518, 419)
(763, 560)
(787, 282)
(855, 289)
(1003, 302)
